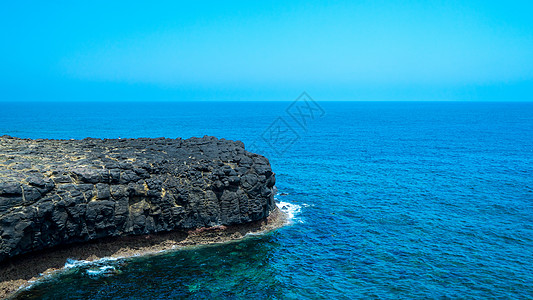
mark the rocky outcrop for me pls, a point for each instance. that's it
(55, 192)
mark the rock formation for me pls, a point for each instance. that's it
(56, 192)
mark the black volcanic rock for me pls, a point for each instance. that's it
(55, 192)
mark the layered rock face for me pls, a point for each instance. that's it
(55, 192)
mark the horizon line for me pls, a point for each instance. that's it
(247, 101)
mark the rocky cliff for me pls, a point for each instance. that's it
(55, 192)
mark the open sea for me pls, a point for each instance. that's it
(388, 200)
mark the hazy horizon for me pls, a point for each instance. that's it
(268, 51)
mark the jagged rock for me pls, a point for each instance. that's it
(55, 192)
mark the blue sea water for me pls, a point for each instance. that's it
(391, 200)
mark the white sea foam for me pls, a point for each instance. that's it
(254, 234)
(292, 211)
(104, 270)
(71, 263)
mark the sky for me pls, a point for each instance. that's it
(266, 50)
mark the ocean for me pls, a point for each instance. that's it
(388, 200)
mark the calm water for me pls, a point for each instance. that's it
(391, 200)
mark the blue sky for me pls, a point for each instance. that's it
(266, 50)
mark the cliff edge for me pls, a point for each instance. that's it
(58, 192)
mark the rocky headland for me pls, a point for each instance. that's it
(72, 198)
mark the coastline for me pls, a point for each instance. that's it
(19, 272)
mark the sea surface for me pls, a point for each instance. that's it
(389, 200)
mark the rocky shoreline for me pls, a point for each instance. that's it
(21, 271)
(72, 198)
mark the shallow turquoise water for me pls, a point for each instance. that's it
(396, 200)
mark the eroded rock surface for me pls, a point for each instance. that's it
(55, 192)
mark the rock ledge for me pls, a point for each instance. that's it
(57, 192)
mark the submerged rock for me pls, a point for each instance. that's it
(55, 192)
